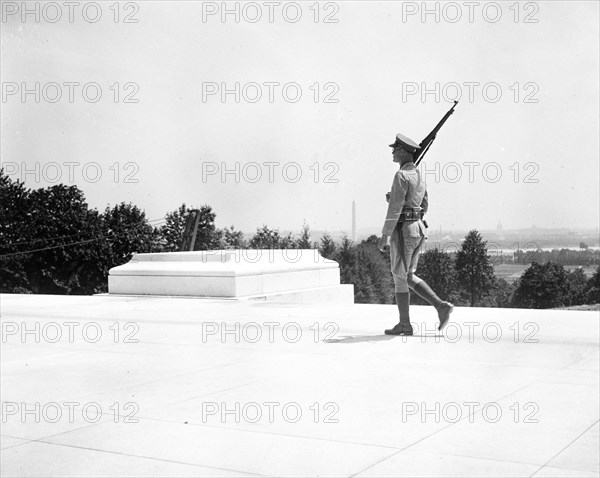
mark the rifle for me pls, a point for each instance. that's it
(426, 143)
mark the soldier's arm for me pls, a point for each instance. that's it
(397, 200)
(425, 203)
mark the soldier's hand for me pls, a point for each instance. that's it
(387, 197)
(383, 243)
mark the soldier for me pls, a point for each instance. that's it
(403, 224)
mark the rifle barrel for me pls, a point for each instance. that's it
(426, 143)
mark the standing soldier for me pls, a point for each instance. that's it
(404, 225)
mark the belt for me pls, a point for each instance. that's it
(411, 214)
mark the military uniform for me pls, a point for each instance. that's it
(408, 203)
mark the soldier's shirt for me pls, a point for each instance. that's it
(408, 190)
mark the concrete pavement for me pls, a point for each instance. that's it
(139, 386)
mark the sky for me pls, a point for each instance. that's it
(126, 102)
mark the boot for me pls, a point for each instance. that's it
(403, 327)
(413, 291)
(411, 288)
(444, 309)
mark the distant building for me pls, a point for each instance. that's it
(499, 231)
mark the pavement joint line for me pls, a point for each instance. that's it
(265, 432)
(151, 381)
(26, 440)
(242, 429)
(298, 349)
(398, 450)
(120, 351)
(146, 457)
(472, 457)
(163, 378)
(42, 357)
(310, 346)
(315, 438)
(303, 347)
(462, 419)
(531, 381)
(42, 440)
(564, 448)
(238, 346)
(47, 436)
(226, 389)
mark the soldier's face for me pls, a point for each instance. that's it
(398, 154)
(402, 156)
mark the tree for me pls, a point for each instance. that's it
(365, 291)
(229, 238)
(376, 266)
(500, 295)
(577, 287)
(346, 258)
(127, 231)
(267, 238)
(593, 288)
(14, 234)
(288, 242)
(52, 242)
(372, 239)
(542, 286)
(68, 244)
(328, 247)
(364, 267)
(172, 231)
(437, 269)
(59, 245)
(474, 271)
(304, 242)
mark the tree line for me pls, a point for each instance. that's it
(51, 242)
(565, 257)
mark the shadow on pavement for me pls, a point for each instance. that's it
(352, 339)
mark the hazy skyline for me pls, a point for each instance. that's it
(525, 143)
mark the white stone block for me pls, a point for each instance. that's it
(229, 274)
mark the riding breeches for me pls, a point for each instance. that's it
(405, 244)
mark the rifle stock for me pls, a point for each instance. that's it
(426, 143)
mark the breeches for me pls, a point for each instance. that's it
(405, 245)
